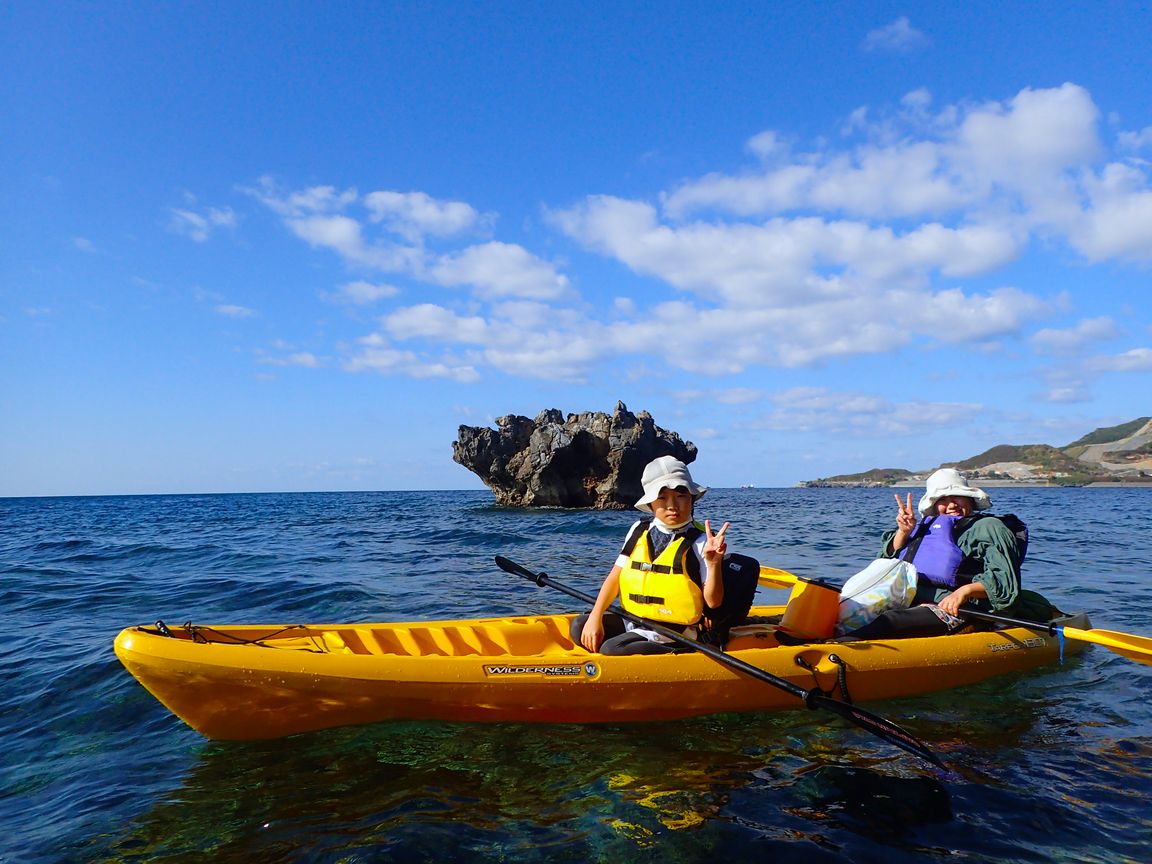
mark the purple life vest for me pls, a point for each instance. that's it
(937, 557)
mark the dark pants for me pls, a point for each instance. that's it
(901, 624)
(619, 641)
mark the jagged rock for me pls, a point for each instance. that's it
(582, 460)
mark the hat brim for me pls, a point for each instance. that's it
(980, 499)
(669, 481)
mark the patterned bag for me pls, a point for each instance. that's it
(885, 584)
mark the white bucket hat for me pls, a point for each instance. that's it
(949, 481)
(666, 472)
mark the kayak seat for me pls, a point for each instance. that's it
(529, 636)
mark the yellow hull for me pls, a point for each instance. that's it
(251, 682)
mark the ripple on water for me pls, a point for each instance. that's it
(1049, 766)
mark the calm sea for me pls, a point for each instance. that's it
(1055, 765)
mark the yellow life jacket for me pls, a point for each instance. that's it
(661, 589)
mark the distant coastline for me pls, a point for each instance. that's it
(1010, 484)
(1043, 484)
(1112, 457)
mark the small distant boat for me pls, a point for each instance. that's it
(254, 682)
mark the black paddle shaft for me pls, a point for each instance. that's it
(1041, 626)
(873, 723)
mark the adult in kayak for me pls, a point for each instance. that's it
(963, 557)
(669, 570)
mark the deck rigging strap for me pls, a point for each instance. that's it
(841, 676)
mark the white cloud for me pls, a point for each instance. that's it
(413, 215)
(1135, 141)
(200, 226)
(859, 245)
(899, 36)
(363, 293)
(428, 321)
(303, 359)
(1019, 157)
(523, 338)
(377, 355)
(1066, 395)
(765, 145)
(1136, 360)
(314, 199)
(500, 270)
(319, 216)
(555, 355)
(953, 317)
(819, 410)
(344, 235)
(1031, 139)
(1118, 223)
(794, 291)
(1071, 382)
(231, 311)
(83, 244)
(1067, 340)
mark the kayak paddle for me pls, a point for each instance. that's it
(866, 720)
(771, 577)
(1134, 648)
(1138, 648)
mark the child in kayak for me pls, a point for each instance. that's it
(670, 569)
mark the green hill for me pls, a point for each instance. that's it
(1036, 463)
(1040, 455)
(1108, 434)
(874, 477)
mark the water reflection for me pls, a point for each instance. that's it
(442, 792)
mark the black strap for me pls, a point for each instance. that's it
(841, 676)
(650, 568)
(634, 536)
(643, 528)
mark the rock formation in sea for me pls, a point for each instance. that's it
(579, 460)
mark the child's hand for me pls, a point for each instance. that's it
(593, 633)
(714, 544)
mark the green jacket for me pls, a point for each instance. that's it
(991, 557)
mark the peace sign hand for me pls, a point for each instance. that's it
(905, 516)
(715, 546)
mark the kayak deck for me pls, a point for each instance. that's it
(261, 681)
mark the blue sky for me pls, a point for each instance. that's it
(293, 246)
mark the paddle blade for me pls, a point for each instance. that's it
(877, 725)
(1138, 648)
(771, 577)
(515, 569)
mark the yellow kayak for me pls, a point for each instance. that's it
(252, 682)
